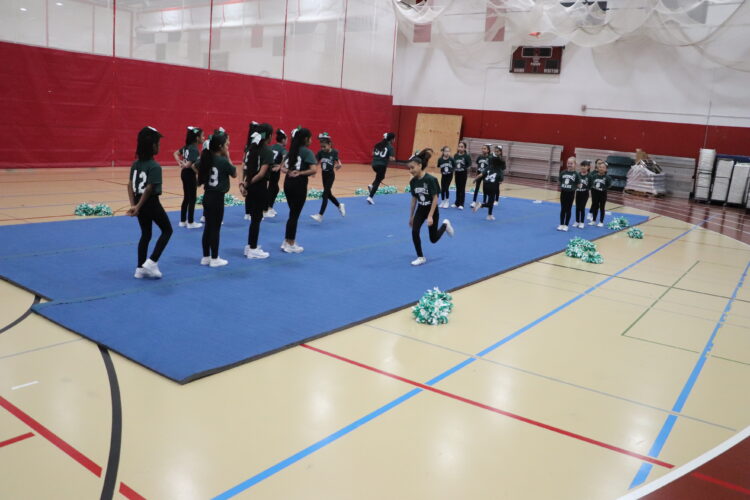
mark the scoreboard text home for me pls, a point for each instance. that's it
(544, 60)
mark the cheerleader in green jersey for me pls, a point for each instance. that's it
(424, 204)
(217, 131)
(187, 158)
(257, 167)
(214, 172)
(279, 151)
(382, 153)
(144, 190)
(482, 162)
(463, 162)
(600, 182)
(491, 178)
(328, 159)
(446, 165)
(299, 164)
(582, 194)
(570, 181)
(498, 152)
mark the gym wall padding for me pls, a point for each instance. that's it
(66, 109)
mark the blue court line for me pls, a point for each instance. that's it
(666, 429)
(278, 467)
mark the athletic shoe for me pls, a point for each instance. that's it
(601, 224)
(218, 262)
(454, 206)
(461, 207)
(589, 217)
(565, 228)
(247, 217)
(205, 261)
(449, 227)
(580, 225)
(257, 253)
(245, 250)
(194, 225)
(495, 203)
(270, 213)
(317, 217)
(591, 223)
(369, 200)
(342, 209)
(473, 204)
(140, 273)
(418, 261)
(203, 218)
(296, 248)
(182, 223)
(152, 268)
(559, 228)
(491, 217)
(285, 247)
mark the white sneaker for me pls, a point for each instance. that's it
(218, 262)
(140, 273)
(342, 209)
(257, 253)
(490, 217)
(203, 218)
(449, 228)
(205, 261)
(317, 217)
(285, 247)
(580, 225)
(461, 207)
(473, 204)
(270, 213)
(559, 228)
(565, 228)
(245, 250)
(369, 200)
(296, 248)
(591, 223)
(475, 207)
(495, 204)
(601, 224)
(182, 223)
(418, 261)
(453, 206)
(152, 268)
(589, 217)
(247, 217)
(194, 225)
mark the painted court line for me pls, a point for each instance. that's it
(248, 483)
(666, 429)
(493, 409)
(16, 439)
(27, 384)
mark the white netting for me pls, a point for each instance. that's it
(716, 28)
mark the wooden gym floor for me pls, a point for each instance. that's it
(598, 366)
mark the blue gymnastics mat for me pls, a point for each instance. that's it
(197, 321)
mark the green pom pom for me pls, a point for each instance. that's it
(199, 200)
(634, 232)
(315, 194)
(87, 210)
(618, 223)
(592, 258)
(381, 190)
(579, 248)
(433, 308)
(407, 189)
(281, 197)
(361, 192)
(231, 200)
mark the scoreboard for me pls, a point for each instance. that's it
(541, 60)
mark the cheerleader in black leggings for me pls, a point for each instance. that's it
(600, 183)
(187, 158)
(328, 159)
(424, 191)
(582, 194)
(254, 185)
(382, 153)
(446, 165)
(463, 162)
(569, 182)
(214, 172)
(299, 164)
(491, 176)
(482, 162)
(279, 152)
(144, 190)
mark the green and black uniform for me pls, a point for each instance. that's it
(328, 160)
(144, 174)
(482, 163)
(189, 183)
(256, 198)
(569, 181)
(582, 197)
(446, 167)
(295, 188)
(216, 185)
(463, 162)
(273, 180)
(381, 154)
(492, 176)
(599, 186)
(425, 190)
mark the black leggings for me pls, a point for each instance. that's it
(296, 194)
(566, 206)
(582, 197)
(460, 188)
(435, 233)
(273, 187)
(445, 186)
(477, 183)
(256, 201)
(189, 194)
(379, 176)
(213, 211)
(491, 194)
(152, 211)
(328, 178)
(598, 204)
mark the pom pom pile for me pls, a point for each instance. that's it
(433, 308)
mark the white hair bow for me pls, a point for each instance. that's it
(256, 138)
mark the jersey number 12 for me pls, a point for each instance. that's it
(139, 188)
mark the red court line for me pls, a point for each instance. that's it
(16, 439)
(129, 494)
(719, 482)
(496, 410)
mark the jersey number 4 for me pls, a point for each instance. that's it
(139, 188)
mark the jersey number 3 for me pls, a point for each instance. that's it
(139, 188)
(214, 180)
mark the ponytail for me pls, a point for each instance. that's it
(257, 135)
(422, 157)
(387, 137)
(207, 156)
(299, 138)
(192, 135)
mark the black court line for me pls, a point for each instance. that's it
(115, 439)
(22, 317)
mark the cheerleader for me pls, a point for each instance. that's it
(463, 162)
(279, 151)
(482, 161)
(257, 167)
(217, 131)
(424, 191)
(600, 182)
(144, 190)
(299, 164)
(570, 180)
(582, 193)
(328, 159)
(501, 177)
(491, 176)
(446, 165)
(381, 154)
(187, 157)
(213, 173)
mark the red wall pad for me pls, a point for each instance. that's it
(78, 110)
